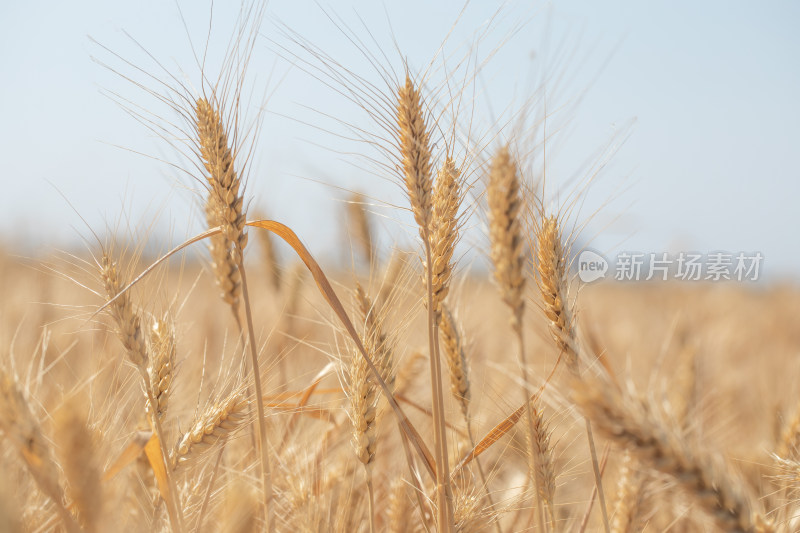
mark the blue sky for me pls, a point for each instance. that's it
(705, 94)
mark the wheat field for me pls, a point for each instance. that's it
(230, 382)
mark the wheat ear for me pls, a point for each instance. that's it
(228, 204)
(363, 389)
(456, 357)
(211, 429)
(162, 368)
(543, 463)
(414, 145)
(131, 335)
(505, 233)
(504, 200)
(554, 287)
(631, 423)
(553, 281)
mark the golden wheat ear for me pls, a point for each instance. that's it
(224, 204)
(505, 233)
(128, 322)
(211, 429)
(414, 143)
(553, 282)
(633, 424)
(162, 368)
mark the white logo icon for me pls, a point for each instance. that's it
(591, 266)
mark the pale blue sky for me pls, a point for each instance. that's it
(712, 88)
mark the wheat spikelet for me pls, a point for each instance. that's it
(553, 285)
(631, 423)
(127, 320)
(162, 368)
(456, 358)
(505, 233)
(414, 144)
(212, 428)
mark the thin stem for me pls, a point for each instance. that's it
(585, 519)
(415, 479)
(371, 499)
(266, 472)
(444, 506)
(209, 489)
(173, 506)
(598, 477)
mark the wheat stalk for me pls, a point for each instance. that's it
(414, 145)
(218, 157)
(504, 200)
(552, 278)
(131, 335)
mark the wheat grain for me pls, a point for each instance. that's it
(505, 233)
